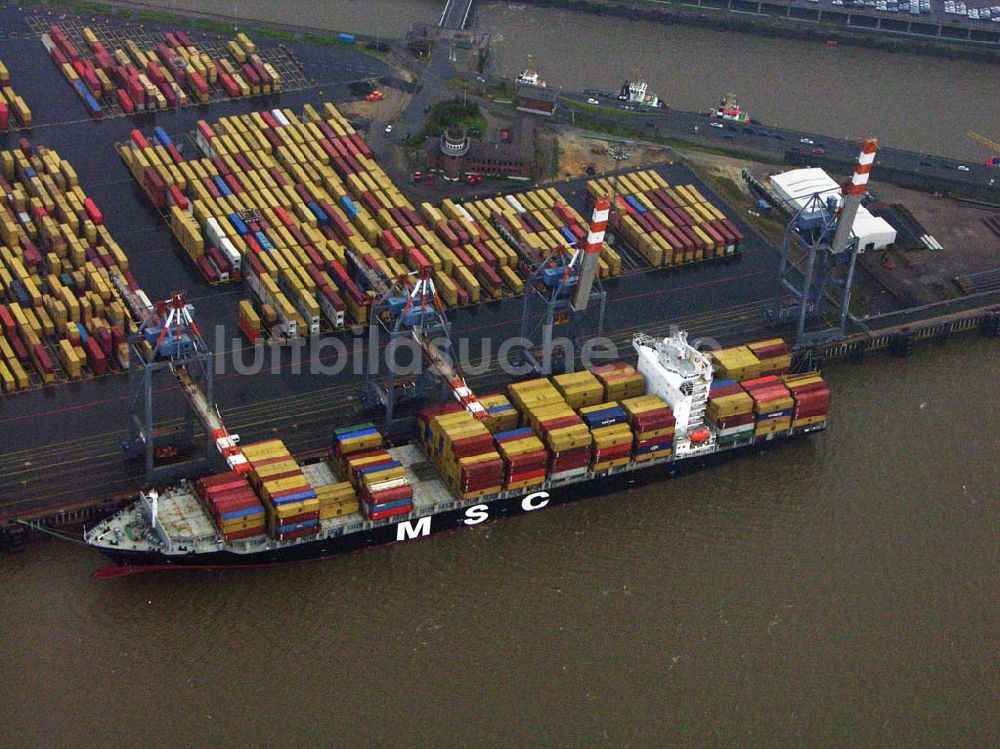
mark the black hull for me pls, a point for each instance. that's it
(444, 521)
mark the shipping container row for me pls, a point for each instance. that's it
(14, 111)
(61, 276)
(666, 225)
(113, 73)
(539, 430)
(300, 211)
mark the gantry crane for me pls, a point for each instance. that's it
(409, 312)
(564, 289)
(168, 341)
(822, 231)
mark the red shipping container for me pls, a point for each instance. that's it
(226, 477)
(392, 512)
(125, 101)
(805, 413)
(95, 357)
(299, 518)
(207, 269)
(736, 421)
(476, 445)
(302, 533)
(396, 494)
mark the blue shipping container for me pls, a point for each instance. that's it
(297, 497)
(513, 433)
(570, 236)
(263, 241)
(222, 186)
(355, 434)
(722, 383)
(375, 468)
(237, 222)
(246, 511)
(605, 417)
(161, 136)
(635, 204)
(301, 525)
(345, 38)
(83, 332)
(318, 212)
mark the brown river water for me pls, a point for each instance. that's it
(838, 591)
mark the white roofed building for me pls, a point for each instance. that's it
(796, 188)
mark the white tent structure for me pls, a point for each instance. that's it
(796, 188)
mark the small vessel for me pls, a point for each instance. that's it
(729, 109)
(529, 76)
(636, 92)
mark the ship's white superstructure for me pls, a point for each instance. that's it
(681, 375)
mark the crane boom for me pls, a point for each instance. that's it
(984, 140)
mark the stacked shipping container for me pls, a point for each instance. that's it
(666, 225)
(381, 482)
(292, 505)
(60, 272)
(174, 73)
(13, 109)
(463, 450)
(233, 505)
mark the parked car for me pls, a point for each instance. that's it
(592, 100)
(962, 168)
(717, 124)
(388, 128)
(807, 141)
(818, 151)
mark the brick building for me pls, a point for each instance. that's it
(511, 155)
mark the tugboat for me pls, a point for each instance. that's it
(729, 109)
(529, 76)
(634, 92)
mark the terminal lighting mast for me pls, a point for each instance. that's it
(564, 287)
(821, 231)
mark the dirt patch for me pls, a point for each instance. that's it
(387, 109)
(578, 152)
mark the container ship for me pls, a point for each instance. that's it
(545, 441)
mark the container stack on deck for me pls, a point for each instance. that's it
(290, 502)
(60, 312)
(561, 429)
(233, 505)
(652, 424)
(463, 450)
(812, 398)
(666, 225)
(381, 481)
(173, 73)
(730, 411)
(13, 109)
(772, 356)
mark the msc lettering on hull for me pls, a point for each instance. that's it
(474, 515)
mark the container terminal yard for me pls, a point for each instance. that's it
(733, 289)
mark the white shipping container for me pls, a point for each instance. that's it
(513, 203)
(227, 248)
(213, 232)
(280, 117)
(334, 315)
